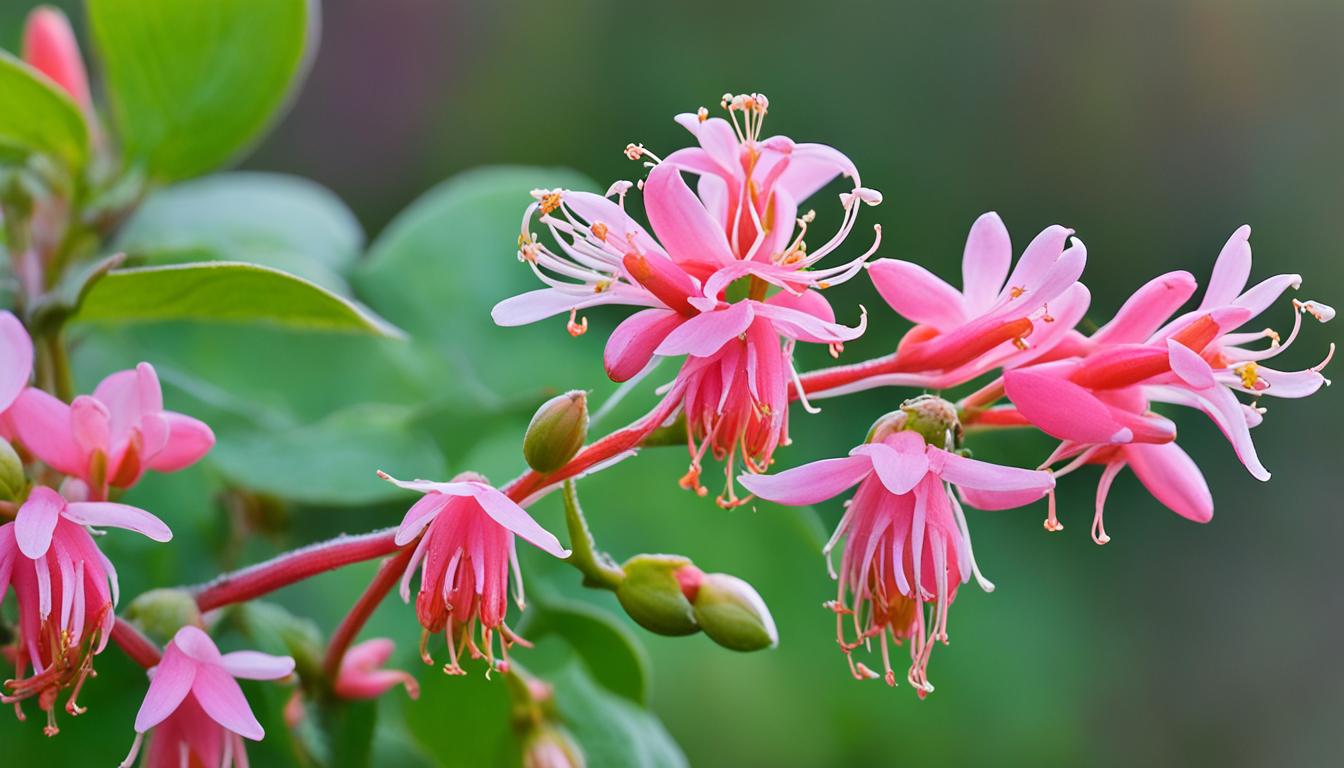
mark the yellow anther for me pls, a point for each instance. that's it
(1016, 291)
(601, 286)
(599, 231)
(549, 202)
(1249, 373)
(702, 114)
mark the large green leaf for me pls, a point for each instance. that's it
(193, 83)
(607, 647)
(36, 115)
(279, 221)
(333, 462)
(613, 732)
(224, 292)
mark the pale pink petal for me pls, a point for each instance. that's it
(805, 326)
(1149, 307)
(716, 136)
(1062, 409)
(991, 501)
(16, 358)
(109, 515)
(1189, 366)
(985, 262)
(221, 698)
(37, 520)
(596, 209)
(899, 471)
(683, 225)
(370, 653)
(982, 475)
(1266, 292)
(630, 347)
(42, 424)
(253, 665)
(917, 294)
(809, 483)
(811, 167)
(421, 513)
(1230, 271)
(1048, 284)
(507, 513)
(1172, 477)
(90, 424)
(546, 302)
(197, 645)
(1220, 405)
(1289, 384)
(706, 333)
(168, 685)
(1039, 257)
(186, 441)
(809, 301)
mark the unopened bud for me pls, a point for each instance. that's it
(49, 46)
(733, 614)
(654, 595)
(934, 418)
(557, 431)
(161, 612)
(548, 746)
(12, 482)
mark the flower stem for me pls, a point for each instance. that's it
(54, 366)
(386, 578)
(136, 646)
(598, 569)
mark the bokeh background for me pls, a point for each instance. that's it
(1152, 128)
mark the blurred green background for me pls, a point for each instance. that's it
(1152, 128)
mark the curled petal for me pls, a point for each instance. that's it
(252, 665)
(682, 223)
(809, 483)
(507, 513)
(542, 303)
(419, 515)
(1172, 477)
(186, 441)
(805, 326)
(109, 515)
(984, 476)
(705, 334)
(630, 347)
(811, 167)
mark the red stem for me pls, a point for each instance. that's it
(290, 567)
(840, 375)
(139, 648)
(386, 578)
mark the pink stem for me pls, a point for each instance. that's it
(139, 648)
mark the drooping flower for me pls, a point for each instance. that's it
(112, 437)
(195, 712)
(706, 280)
(66, 590)
(362, 675)
(466, 529)
(907, 546)
(16, 366)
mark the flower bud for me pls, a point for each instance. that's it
(557, 431)
(161, 612)
(733, 614)
(548, 746)
(934, 418)
(12, 482)
(654, 595)
(49, 46)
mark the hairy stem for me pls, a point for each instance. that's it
(136, 646)
(388, 574)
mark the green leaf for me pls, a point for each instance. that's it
(192, 84)
(227, 292)
(279, 221)
(332, 462)
(462, 720)
(38, 116)
(611, 730)
(606, 646)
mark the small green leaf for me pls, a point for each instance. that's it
(271, 219)
(38, 116)
(608, 648)
(612, 731)
(228, 292)
(192, 84)
(332, 462)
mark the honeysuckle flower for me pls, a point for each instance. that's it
(66, 590)
(195, 712)
(16, 366)
(466, 550)
(705, 282)
(362, 675)
(907, 545)
(112, 437)
(49, 46)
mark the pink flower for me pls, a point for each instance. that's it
(49, 45)
(112, 437)
(66, 589)
(16, 366)
(362, 675)
(906, 540)
(195, 706)
(734, 238)
(465, 555)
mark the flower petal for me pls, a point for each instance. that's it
(630, 347)
(1062, 409)
(507, 513)
(982, 475)
(42, 424)
(1149, 307)
(109, 515)
(223, 700)
(899, 471)
(253, 665)
(1039, 257)
(196, 644)
(421, 513)
(809, 483)
(545, 302)
(168, 686)
(1230, 271)
(1189, 366)
(187, 441)
(806, 326)
(16, 350)
(37, 521)
(985, 262)
(685, 228)
(706, 333)
(1173, 478)
(917, 294)
(811, 167)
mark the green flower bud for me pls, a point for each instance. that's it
(652, 594)
(12, 482)
(934, 418)
(557, 431)
(733, 614)
(161, 612)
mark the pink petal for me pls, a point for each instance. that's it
(1266, 292)
(805, 326)
(809, 301)
(1220, 405)
(109, 515)
(985, 262)
(1039, 257)
(706, 333)
(168, 686)
(186, 442)
(16, 352)
(982, 475)
(197, 645)
(809, 483)
(991, 501)
(546, 302)
(596, 209)
(716, 137)
(37, 520)
(421, 513)
(129, 397)
(1290, 384)
(683, 225)
(811, 167)
(90, 424)
(630, 347)
(221, 698)
(1149, 307)
(42, 424)
(1172, 477)
(917, 294)
(1189, 366)
(507, 513)
(1230, 271)
(252, 665)
(369, 654)
(1061, 408)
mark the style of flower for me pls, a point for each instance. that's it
(112, 437)
(362, 675)
(907, 545)
(195, 712)
(66, 590)
(466, 550)
(705, 282)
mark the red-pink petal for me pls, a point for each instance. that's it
(109, 515)
(169, 684)
(706, 333)
(223, 700)
(421, 513)
(809, 483)
(507, 513)
(1173, 478)
(42, 424)
(1062, 409)
(683, 225)
(187, 441)
(917, 294)
(630, 347)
